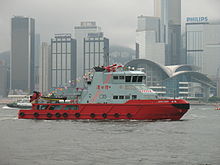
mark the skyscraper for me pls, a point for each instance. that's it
(203, 47)
(44, 68)
(96, 51)
(36, 60)
(82, 32)
(63, 60)
(148, 39)
(3, 79)
(169, 12)
(22, 53)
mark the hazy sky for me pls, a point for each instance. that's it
(118, 18)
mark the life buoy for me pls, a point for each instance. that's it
(129, 115)
(104, 115)
(92, 115)
(36, 114)
(57, 114)
(22, 114)
(77, 115)
(65, 115)
(49, 115)
(116, 115)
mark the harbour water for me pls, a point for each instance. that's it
(194, 140)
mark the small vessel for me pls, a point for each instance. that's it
(113, 93)
(23, 103)
(217, 108)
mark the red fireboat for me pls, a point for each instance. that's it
(113, 93)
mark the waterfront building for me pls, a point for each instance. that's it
(22, 53)
(44, 68)
(4, 69)
(169, 12)
(3, 79)
(148, 40)
(63, 60)
(96, 51)
(82, 32)
(182, 81)
(203, 47)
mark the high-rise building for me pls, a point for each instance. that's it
(36, 60)
(96, 51)
(22, 53)
(147, 23)
(169, 12)
(3, 79)
(4, 73)
(63, 60)
(82, 32)
(203, 47)
(44, 68)
(148, 39)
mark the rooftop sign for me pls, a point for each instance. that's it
(197, 19)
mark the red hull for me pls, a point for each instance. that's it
(133, 109)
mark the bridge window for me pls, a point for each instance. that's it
(127, 97)
(140, 78)
(121, 97)
(115, 97)
(134, 79)
(121, 77)
(115, 77)
(128, 79)
(134, 97)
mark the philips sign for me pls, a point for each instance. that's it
(197, 19)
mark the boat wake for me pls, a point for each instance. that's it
(194, 116)
(6, 107)
(8, 118)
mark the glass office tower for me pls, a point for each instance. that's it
(96, 51)
(22, 53)
(63, 60)
(82, 32)
(169, 12)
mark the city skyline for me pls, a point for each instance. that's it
(119, 26)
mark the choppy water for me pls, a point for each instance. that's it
(195, 140)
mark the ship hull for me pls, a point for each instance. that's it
(132, 110)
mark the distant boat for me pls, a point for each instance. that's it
(23, 103)
(217, 107)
